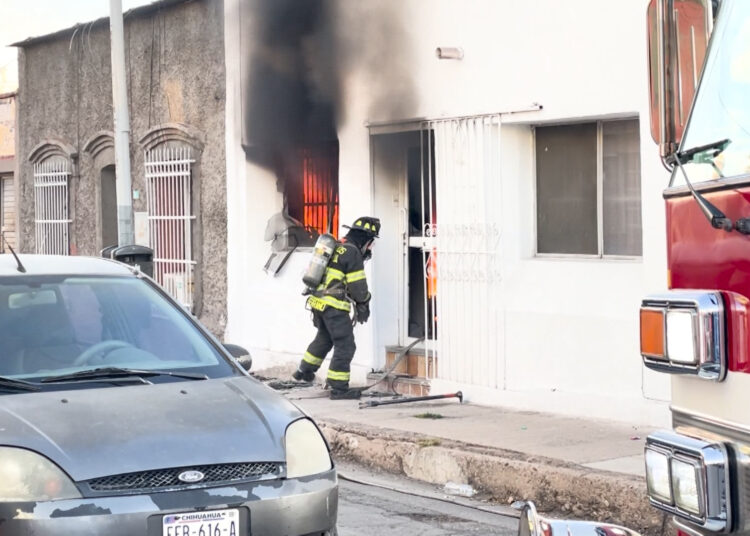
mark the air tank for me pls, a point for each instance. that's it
(321, 256)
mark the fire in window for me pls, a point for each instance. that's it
(312, 189)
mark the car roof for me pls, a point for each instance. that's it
(61, 265)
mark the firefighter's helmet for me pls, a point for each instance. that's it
(369, 225)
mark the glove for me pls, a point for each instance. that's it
(363, 312)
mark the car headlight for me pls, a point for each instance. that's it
(688, 478)
(657, 475)
(682, 332)
(681, 336)
(306, 450)
(28, 476)
(686, 482)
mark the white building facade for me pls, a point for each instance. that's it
(518, 187)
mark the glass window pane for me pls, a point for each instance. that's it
(721, 111)
(566, 197)
(49, 324)
(621, 160)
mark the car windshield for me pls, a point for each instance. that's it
(51, 326)
(721, 109)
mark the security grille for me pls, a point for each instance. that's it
(51, 206)
(8, 211)
(169, 478)
(168, 180)
(467, 252)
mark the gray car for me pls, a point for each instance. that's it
(121, 415)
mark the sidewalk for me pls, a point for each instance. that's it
(571, 467)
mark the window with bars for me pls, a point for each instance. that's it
(312, 189)
(51, 210)
(588, 189)
(170, 217)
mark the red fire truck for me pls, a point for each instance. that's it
(698, 331)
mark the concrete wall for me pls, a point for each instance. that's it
(571, 328)
(175, 75)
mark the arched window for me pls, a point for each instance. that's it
(101, 148)
(52, 163)
(168, 161)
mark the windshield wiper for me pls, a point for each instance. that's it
(715, 216)
(12, 384)
(120, 373)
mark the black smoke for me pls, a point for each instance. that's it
(290, 78)
(295, 56)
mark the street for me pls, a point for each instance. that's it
(366, 510)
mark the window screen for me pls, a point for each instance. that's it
(566, 189)
(622, 188)
(579, 166)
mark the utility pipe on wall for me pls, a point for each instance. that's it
(125, 232)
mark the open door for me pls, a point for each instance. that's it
(405, 304)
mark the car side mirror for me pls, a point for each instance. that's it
(240, 355)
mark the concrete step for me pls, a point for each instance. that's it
(416, 363)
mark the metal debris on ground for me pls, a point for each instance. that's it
(376, 403)
(283, 385)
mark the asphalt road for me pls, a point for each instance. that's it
(366, 510)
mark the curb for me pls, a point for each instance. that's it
(559, 488)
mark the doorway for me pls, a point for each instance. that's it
(406, 202)
(108, 203)
(422, 224)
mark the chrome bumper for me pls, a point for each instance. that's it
(532, 524)
(278, 507)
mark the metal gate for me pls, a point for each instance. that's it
(170, 216)
(462, 253)
(51, 217)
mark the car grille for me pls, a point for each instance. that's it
(168, 478)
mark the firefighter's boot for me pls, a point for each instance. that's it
(346, 394)
(303, 376)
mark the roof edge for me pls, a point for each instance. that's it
(135, 12)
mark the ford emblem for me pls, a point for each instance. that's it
(191, 477)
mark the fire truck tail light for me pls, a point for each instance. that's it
(688, 477)
(652, 333)
(682, 332)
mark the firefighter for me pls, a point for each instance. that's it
(344, 283)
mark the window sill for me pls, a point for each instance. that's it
(601, 258)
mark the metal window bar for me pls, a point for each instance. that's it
(320, 188)
(170, 217)
(51, 216)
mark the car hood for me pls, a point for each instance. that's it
(103, 431)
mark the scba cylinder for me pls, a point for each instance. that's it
(321, 256)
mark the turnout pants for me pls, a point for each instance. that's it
(335, 331)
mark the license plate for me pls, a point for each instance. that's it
(208, 523)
